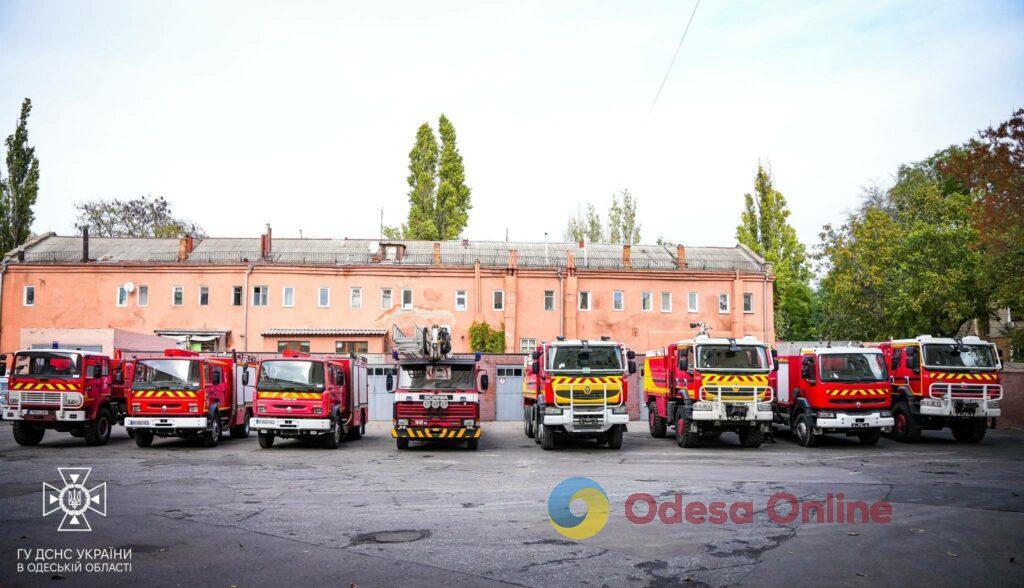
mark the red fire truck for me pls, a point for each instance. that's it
(306, 397)
(437, 397)
(823, 389)
(69, 391)
(943, 382)
(705, 386)
(190, 395)
(577, 388)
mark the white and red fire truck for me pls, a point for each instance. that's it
(437, 397)
(190, 395)
(65, 390)
(299, 395)
(943, 382)
(823, 390)
(577, 388)
(705, 386)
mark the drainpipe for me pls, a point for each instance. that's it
(3, 272)
(245, 306)
(561, 302)
(764, 306)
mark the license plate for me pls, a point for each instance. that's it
(262, 422)
(38, 412)
(859, 425)
(965, 408)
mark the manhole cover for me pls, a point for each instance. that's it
(398, 536)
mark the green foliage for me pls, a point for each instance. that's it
(585, 227)
(622, 223)
(764, 228)
(484, 339)
(144, 216)
(18, 191)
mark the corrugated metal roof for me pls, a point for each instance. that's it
(315, 332)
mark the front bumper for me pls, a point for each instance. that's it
(948, 407)
(43, 415)
(436, 433)
(285, 425)
(169, 423)
(578, 421)
(719, 411)
(845, 420)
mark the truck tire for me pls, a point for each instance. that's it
(472, 444)
(803, 431)
(28, 434)
(547, 437)
(332, 440)
(97, 431)
(905, 428)
(685, 437)
(615, 437)
(537, 425)
(242, 431)
(971, 432)
(354, 433)
(402, 442)
(143, 439)
(211, 437)
(870, 438)
(528, 422)
(751, 437)
(266, 439)
(657, 425)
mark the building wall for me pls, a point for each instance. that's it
(107, 339)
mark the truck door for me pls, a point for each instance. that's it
(509, 393)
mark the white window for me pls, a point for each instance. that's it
(288, 296)
(323, 297)
(618, 300)
(204, 295)
(460, 300)
(526, 345)
(692, 302)
(29, 296)
(177, 295)
(549, 299)
(143, 298)
(237, 295)
(122, 296)
(584, 300)
(723, 304)
(498, 300)
(260, 295)
(647, 301)
(748, 302)
(386, 301)
(407, 298)
(666, 302)
(355, 297)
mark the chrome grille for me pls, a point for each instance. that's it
(40, 397)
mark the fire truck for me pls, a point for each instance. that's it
(306, 397)
(823, 390)
(65, 390)
(943, 382)
(437, 397)
(190, 395)
(577, 388)
(705, 386)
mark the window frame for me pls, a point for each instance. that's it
(579, 301)
(649, 294)
(527, 348)
(200, 299)
(728, 303)
(748, 297)
(662, 300)
(693, 297)
(319, 299)
(412, 299)
(552, 297)
(390, 296)
(265, 289)
(494, 300)
(24, 295)
(620, 304)
(175, 290)
(355, 297)
(117, 297)
(142, 300)
(284, 296)
(240, 291)
(464, 305)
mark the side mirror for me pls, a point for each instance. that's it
(683, 364)
(535, 368)
(245, 377)
(999, 352)
(630, 354)
(775, 360)
(535, 355)
(485, 382)
(389, 383)
(632, 367)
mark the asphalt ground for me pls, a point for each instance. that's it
(370, 515)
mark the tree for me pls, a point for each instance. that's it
(18, 191)
(144, 216)
(764, 228)
(485, 339)
(453, 195)
(586, 226)
(622, 226)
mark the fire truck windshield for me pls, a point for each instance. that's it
(436, 377)
(155, 374)
(852, 367)
(577, 358)
(47, 364)
(950, 355)
(732, 358)
(291, 375)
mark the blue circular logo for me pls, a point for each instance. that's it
(578, 526)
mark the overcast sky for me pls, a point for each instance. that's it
(303, 114)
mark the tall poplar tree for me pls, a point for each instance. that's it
(19, 189)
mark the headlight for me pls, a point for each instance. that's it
(552, 410)
(426, 403)
(193, 408)
(14, 397)
(444, 403)
(318, 410)
(136, 407)
(620, 409)
(993, 404)
(403, 422)
(72, 399)
(468, 423)
(933, 402)
(703, 405)
(826, 414)
(763, 406)
(261, 408)
(886, 414)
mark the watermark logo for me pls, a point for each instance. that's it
(578, 526)
(75, 500)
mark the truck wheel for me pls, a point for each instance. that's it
(211, 437)
(354, 433)
(538, 424)
(242, 431)
(685, 437)
(402, 442)
(870, 437)
(804, 431)
(266, 439)
(472, 444)
(528, 422)
(28, 434)
(143, 439)
(905, 429)
(97, 432)
(655, 423)
(332, 440)
(547, 437)
(972, 432)
(615, 437)
(751, 437)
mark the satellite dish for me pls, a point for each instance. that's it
(129, 287)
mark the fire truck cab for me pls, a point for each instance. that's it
(577, 388)
(823, 389)
(65, 390)
(306, 397)
(190, 395)
(706, 385)
(943, 382)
